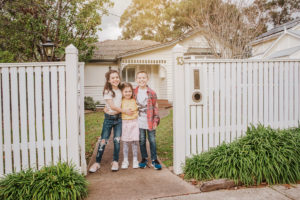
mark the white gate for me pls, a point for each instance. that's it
(42, 114)
(216, 100)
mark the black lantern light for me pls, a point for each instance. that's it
(48, 49)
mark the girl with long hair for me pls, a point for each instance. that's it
(112, 119)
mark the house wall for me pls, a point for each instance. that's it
(297, 28)
(260, 48)
(94, 72)
(94, 79)
(287, 41)
(295, 55)
(153, 75)
(165, 85)
(195, 41)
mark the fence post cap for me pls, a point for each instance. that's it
(178, 48)
(71, 49)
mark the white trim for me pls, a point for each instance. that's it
(162, 45)
(285, 33)
(295, 27)
(238, 60)
(270, 37)
(36, 64)
(273, 45)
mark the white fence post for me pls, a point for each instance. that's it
(72, 105)
(179, 109)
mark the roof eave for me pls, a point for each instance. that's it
(99, 60)
(143, 50)
(264, 39)
(158, 46)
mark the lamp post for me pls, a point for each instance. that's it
(48, 49)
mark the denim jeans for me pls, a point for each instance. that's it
(110, 122)
(152, 142)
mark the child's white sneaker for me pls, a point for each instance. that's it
(135, 164)
(125, 164)
(94, 167)
(114, 166)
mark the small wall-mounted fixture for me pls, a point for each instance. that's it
(197, 97)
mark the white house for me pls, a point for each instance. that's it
(131, 56)
(280, 42)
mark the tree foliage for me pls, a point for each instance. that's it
(278, 12)
(150, 20)
(230, 23)
(26, 24)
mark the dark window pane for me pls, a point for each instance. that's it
(131, 74)
(124, 75)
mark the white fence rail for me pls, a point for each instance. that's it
(223, 97)
(38, 105)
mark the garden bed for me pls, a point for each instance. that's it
(263, 157)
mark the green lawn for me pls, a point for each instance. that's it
(93, 127)
(164, 138)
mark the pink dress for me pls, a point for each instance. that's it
(130, 126)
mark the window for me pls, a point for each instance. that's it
(128, 74)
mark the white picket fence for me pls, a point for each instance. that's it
(42, 114)
(233, 94)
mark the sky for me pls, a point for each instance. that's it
(110, 24)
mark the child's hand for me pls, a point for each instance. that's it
(129, 112)
(105, 110)
(154, 125)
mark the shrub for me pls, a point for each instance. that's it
(17, 185)
(89, 103)
(262, 155)
(54, 183)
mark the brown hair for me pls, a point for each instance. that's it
(108, 86)
(125, 85)
(142, 72)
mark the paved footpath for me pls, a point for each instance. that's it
(133, 183)
(164, 185)
(277, 192)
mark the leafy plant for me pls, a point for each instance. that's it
(55, 182)
(89, 103)
(263, 155)
(17, 185)
(26, 25)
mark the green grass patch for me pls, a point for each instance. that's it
(164, 140)
(93, 128)
(55, 182)
(262, 155)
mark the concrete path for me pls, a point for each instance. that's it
(133, 183)
(278, 192)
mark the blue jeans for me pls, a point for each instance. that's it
(110, 122)
(152, 142)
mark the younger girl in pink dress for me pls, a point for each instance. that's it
(130, 127)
